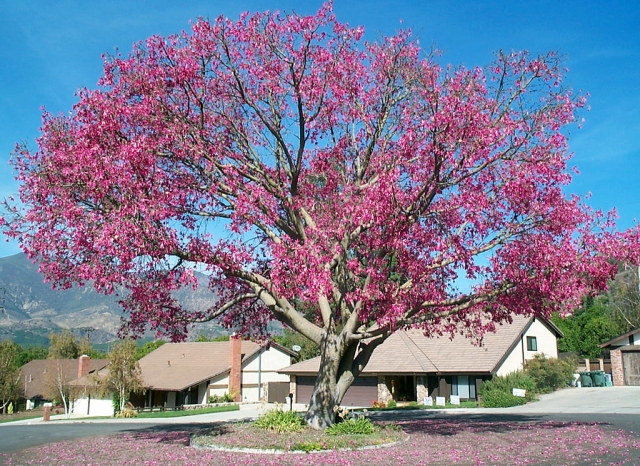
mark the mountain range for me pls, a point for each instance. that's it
(31, 309)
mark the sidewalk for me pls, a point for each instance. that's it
(246, 411)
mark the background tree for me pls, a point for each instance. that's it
(358, 178)
(63, 345)
(24, 355)
(289, 339)
(125, 376)
(10, 378)
(57, 386)
(148, 347)
(588, 327)
(624, 297)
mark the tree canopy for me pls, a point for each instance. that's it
(298, 163)
(125, 376)
(10, 378)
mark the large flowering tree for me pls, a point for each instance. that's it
(345, 188)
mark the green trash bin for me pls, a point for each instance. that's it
(586, 379)
(598, 378)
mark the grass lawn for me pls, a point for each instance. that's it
(192, 412)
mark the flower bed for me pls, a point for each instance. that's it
(248, 437)
(207, 405)
(431, 442)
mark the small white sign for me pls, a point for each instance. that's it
(441, 401)
(427, 401)
(519, 392)
(455, 400)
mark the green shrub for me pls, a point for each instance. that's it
(280, 421)
(501, 399)
(506, 384)
(359, 425)
(224, 398)
(549, 374)
(392, 404)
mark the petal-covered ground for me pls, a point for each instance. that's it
(430, 442)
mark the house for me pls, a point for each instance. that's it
(40, 374)
(189, 373)
(409, 366)
(89, 400)
(625, 357)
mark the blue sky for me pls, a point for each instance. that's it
(50, 49)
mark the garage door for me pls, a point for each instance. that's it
(631, 365)
(362, 392)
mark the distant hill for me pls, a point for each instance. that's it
(32, 309)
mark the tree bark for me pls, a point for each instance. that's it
(326, 395)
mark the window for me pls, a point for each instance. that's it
(532, 344)
(464, 386)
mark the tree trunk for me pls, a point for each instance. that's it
(326, 396)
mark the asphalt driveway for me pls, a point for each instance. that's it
(614, 400)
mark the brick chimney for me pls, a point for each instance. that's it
(83, 365)
(235, 361)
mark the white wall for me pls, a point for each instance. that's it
(546, 342)
(219, 386)
(263, 367)
(97, 407)
(635, 338)
(266, 364)
(202, 392)
(546, 339)
(513, 362)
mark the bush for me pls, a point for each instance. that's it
(549, 374)
(359, 425)
(392, 404)
(280, 421)
(506, 384)
(501, 399)
(224, 398)
(126, 414)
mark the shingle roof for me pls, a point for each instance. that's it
(410, 352)
(178, 366)
(38, 374)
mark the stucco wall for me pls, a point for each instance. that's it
(546, 338)
(96, 407)
(258, 367)
(219, 386)
(546, 342)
